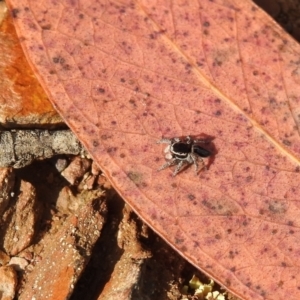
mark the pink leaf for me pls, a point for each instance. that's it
(124, 74)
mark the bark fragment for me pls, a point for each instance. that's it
(19, 148)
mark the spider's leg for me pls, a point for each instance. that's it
(195, 158)
(178, 168)
(164, 141)
(201, 141)
(167, 164)
(188, 139)
(203, 164)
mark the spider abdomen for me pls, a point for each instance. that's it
(201, 151)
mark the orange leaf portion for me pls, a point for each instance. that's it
(22, 101)
(125, 73)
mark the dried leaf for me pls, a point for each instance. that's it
(123, 74)
(23, 102)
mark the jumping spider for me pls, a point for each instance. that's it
(183, 152)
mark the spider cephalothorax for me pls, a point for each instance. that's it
(183, 151)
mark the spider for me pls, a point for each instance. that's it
(185, 151)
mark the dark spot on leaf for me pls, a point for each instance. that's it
(142, 185)
(287, 142)
(112, 149)
(188, 66)
(217, 236)
(105, 137)
(217, 62)
(46, 27)
(174, 185)
(206, 24)
(32, 25)
(122, 155)
(135, 177)
(58, 60)
(95, 143)
(101, 90)
(231, 254)
(15, 12)
(113, 122)
(255, 73)
(218, 113)
(183, 248)
(283, 264)
(263, 293)
(206, 203)
(229, 230)
(290, 223)
(67, 67)
(228, 282)
(81, 16)
(191, 196)
(249, 178)
(132, 102)
(233, 269)
(280, 283)
(122, 80)
(179, 240)
(291, 231)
